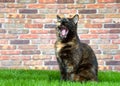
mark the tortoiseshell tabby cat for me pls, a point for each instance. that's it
(77, 61)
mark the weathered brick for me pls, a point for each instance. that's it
(82, 31)
(7, 47)
(89, 11)
(52, 31)
(77, 6)
(18, 31)
(30, 52)
(109, 46)
(97, 51)
(16, 5)
(95, 16)
(94, 46)
(2, 5)
(28, 11)
(47, 1)
(65, 1)
(36, 16)
(102, 20)
(41, 41)
(50, 63)
(104, 57)
(105, 67)
(8, 36)
(8, 10)
(117, 68)
(39, 31)
(33, 25)
(7, 1)
(55, 6)
(99, 31)
(109, 36)
(111, 52)
(25, 47)
(86, 1)
(1, 15)
(112, 15)
(20, 57)
(112, 25)
(12, 25)
(66, 11)
(50, 25)
(10, 52)
(36, 6)
(115, 31)
(112, 62)
(11, 63)
(32, 63)
(27, 1)
(117, 41)
(100, 41)
(48, 52)
(95, 5)
(93, 25)
(15, 16)
(46, 46)
(107, 10)
(48, 36)
(106, 1)
(41, 57)
(19, 42)
(116, 20)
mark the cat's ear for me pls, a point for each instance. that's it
(58, 18)
(75, 18)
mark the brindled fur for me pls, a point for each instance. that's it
(77, 61)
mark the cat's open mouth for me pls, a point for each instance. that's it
(63, 32)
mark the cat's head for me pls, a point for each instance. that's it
(67, 27)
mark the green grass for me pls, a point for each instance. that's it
(52, 78)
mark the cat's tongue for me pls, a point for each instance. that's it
(63, 32)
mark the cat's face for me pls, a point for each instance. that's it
(67, 27)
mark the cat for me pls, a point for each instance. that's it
(77, 61)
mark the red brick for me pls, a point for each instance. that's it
(99, 31)
(4, 57)
(117, 41)
(11, 52)
(93, 25)
(20, 57)
(42, 21)
(2, 5)
(47, 1)
(32, 63)
(29, 36)
(117, 57)
(104, 57)
(7, 1)
(91, 36)
(36, 16)
(95, 5)
(115, 31)
(106, 1)
(117, 68)
(3, 41)
(41, 57)
(65, 1)
(87, 11)
(33, 25)
(105, 67)
(36, 6)
(39, 31)
(53, 36)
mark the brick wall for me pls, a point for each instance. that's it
(27, 33)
